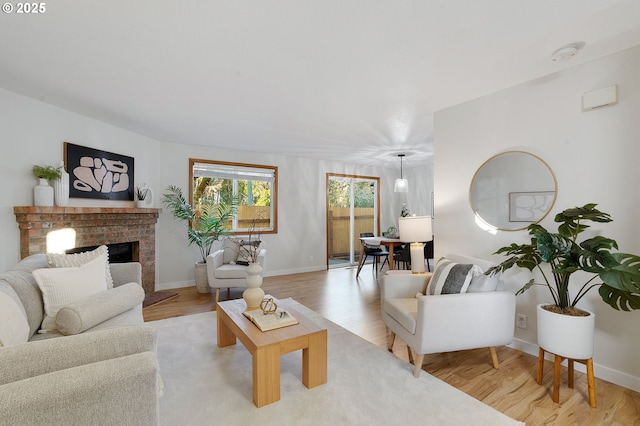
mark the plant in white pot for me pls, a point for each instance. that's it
(43, 192)
(616, 275)
(206, 223)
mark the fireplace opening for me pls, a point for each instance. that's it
(118, 253)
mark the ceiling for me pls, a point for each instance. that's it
(339, 80)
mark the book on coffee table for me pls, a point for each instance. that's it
(265, 322)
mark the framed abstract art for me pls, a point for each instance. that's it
(94, 173)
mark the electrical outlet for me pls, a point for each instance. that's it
(521, 321)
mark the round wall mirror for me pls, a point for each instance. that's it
(512, 190)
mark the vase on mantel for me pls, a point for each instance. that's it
(253, 295)
(61, 188)
(43, 194)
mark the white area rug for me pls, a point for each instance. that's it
(205, 385)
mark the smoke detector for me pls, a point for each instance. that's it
(565, 53)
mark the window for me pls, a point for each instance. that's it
(255, 187)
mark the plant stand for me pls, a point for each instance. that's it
(556, 375)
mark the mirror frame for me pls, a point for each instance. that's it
(555, 185)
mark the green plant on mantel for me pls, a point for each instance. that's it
(47, 172)
(141, 193)
(206, 223)
(617, 275)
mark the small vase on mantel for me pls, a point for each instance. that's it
(253, 295)
(61, 187)
(43, 194)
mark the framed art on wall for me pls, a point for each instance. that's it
(98, 174)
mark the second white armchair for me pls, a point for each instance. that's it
(481, 317)
(222, 269)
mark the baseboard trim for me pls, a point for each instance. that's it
(600, 371)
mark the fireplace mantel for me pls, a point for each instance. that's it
(93, 226)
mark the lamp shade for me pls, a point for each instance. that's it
(415, 229)
(402, 185)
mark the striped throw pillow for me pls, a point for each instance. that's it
(452, 278)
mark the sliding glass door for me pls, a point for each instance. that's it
(352, 208)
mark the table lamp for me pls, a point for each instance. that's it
(416, 230)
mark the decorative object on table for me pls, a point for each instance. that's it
(269, 316)
(144, 197)
(416, 230)
(401, 185)
(61, 187)
(268, 305)
(405, 211)
(43, 192)
(205, 223)
(248, 251)
(99, 174)
(391, 232)
(619, 274)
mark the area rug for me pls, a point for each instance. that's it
(205, 385)
(156, 297)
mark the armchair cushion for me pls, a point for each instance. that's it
(231, 271)
(404, 311)
(94, 309)
(452, 278)
(14, 328)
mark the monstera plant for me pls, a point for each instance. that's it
(615, 275)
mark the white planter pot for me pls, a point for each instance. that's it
(43, 194)
(201, 278)
(565, 335)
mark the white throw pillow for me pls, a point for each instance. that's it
(57, 260)
(452, 278)
(14, 328)
(483, 283)
(61, 286)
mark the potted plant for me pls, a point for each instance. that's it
(616, 275)
(144, 196)
(43, 192)
(206, 223)
(46, 172)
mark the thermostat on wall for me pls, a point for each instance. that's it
(600, 98)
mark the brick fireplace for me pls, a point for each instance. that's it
(94, 226)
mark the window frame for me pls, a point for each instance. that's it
(274, 192)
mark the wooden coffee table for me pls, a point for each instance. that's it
(266, 348)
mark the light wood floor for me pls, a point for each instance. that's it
(354, 303)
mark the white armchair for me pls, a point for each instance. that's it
(223, 272)
(484, 316)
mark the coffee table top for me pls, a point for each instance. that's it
(234, 309)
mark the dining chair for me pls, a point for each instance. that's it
(374, 251)
(403, 255)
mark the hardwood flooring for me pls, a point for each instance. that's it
(354, 303)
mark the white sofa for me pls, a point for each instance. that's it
(106, 372)
(448, 322)
(222, 269)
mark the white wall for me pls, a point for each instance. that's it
(33, 133)
(595, 158)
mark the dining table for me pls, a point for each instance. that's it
(390, 243)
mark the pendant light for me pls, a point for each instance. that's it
(402, 185)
